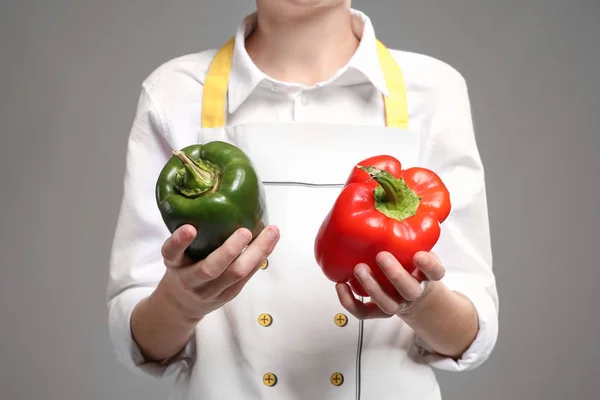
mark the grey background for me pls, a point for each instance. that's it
(70, 74)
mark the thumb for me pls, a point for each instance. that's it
(173, 250)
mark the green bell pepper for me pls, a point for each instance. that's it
(215, 188)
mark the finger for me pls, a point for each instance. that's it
(385, 301)
(435, 256)
(430, 265)
(216, 262)
(173, 249)
(418, 275)
(253, 256)
(356, 307)
(408, 287)
(234, 290)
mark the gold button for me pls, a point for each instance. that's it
(270, 379)
(337, 379)
(265, 319)
(265, 264)
(341, 319)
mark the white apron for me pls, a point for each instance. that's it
(286, 336)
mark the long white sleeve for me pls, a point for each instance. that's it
(136, 264)
(464, 246)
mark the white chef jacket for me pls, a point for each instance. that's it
(286, 336)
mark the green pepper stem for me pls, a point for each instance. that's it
(197, 177)
(393, 197)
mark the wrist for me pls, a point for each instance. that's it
(159, 326)
(444, 319)
(165, 296)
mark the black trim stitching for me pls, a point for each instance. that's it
(318, 185)
(359, 356)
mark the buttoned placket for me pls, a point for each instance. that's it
(265, 320)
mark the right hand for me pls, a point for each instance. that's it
(198, 288)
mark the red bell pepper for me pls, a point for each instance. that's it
(381, 208)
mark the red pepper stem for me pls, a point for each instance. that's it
(393, 197)
(197, 176)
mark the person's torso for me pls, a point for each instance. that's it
(287, 335)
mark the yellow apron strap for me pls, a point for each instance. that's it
(396, 106)
(214, 97)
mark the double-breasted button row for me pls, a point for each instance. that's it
(270, 379)
(266, 320)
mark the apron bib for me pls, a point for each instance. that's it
(286, 336)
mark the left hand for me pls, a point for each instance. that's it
(408, 288)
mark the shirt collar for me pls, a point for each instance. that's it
(364, 65)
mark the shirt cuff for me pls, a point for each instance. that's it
(485, 341)
(127, 351)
